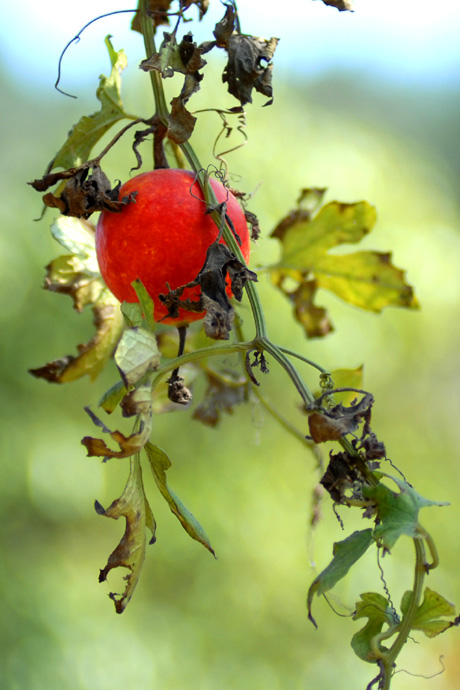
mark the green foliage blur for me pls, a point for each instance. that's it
(239, 621)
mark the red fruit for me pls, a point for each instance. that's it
(162, 237)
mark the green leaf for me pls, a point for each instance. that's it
(132, 314)
(376, 609)
(90, 129)
(430, 613)
(346, 554)
(130, 552)
(137, 353)
(112, 398)
(365, 279)
(397, 512)
(160, 463)
(146, 304)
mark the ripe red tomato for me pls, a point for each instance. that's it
(162, 237)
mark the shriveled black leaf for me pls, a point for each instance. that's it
(159, 130)
(212, 279)
(341, 5)
(340, 476)
(253, 221)
(185, 58)
(225, 28)
(181, 122)
(249, 67)
(84, 194)
(249, 59)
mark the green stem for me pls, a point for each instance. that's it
(230, 241)
(212, 351)
(388, 658)
(155, 78)
(303, 359)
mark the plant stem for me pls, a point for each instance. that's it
(387, 659)
(155, 78)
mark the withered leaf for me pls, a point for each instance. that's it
(249, 67)
(84, 193)
(157, 10)
(93, 355)
(313, 318)
(331, 425)
(160, 463)
(184, 57)
(253, 221)
(339, 477)
(128, 445)
(130, 552)
(341, 5)
(68, 275)
(181, 122)
(178, 392)
(212, 279)
(226, 26)
(225, 390)
(202, 5)
(77, 274)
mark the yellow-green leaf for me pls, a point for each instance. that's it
(430, 616)
(307, 240)
(160, 463)
(90, 129)
(366, 279)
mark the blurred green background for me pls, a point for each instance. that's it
(240, 621)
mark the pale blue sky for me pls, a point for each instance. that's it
(410, 41)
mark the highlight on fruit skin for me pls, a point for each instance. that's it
(162, 238)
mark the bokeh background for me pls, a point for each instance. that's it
(366, 104)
